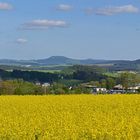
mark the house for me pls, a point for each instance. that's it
(95, 89)
(70, 88)
(118, 87)
(46, 85)
(133, 89)
(99, 90)
(38, 84)
(136, 87)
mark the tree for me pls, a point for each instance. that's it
(95, 83)
(103, 83)
(128, 79)
(110, 83)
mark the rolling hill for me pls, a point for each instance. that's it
(54, 60)
(65, 61)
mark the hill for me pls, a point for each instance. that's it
(53, 60)
(65, 61)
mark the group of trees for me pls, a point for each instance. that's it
(19, 87)
(107, 83)
(127, 79)
(30, 76)
(83, 73)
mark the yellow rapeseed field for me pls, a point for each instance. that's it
(70, 117)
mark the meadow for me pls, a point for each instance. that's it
(70, 117)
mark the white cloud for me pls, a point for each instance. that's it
(21, 41)
(64, 7)
(109, 11)
(44, 24)
(5, 6)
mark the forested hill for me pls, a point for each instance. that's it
(54, 60)
(83, 73)
(61, 60)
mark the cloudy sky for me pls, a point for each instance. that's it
(98, 29)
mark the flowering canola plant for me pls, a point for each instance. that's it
(70, 117)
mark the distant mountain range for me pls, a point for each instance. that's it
(61, 60)
(54, 60)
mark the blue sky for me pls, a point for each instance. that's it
(98, 29)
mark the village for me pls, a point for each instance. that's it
(117, 89)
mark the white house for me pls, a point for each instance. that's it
(46, 85)
(99, 90)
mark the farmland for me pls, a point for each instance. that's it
(70, 117)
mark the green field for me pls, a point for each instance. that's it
(70, 117)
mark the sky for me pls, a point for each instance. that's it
(97, 29)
